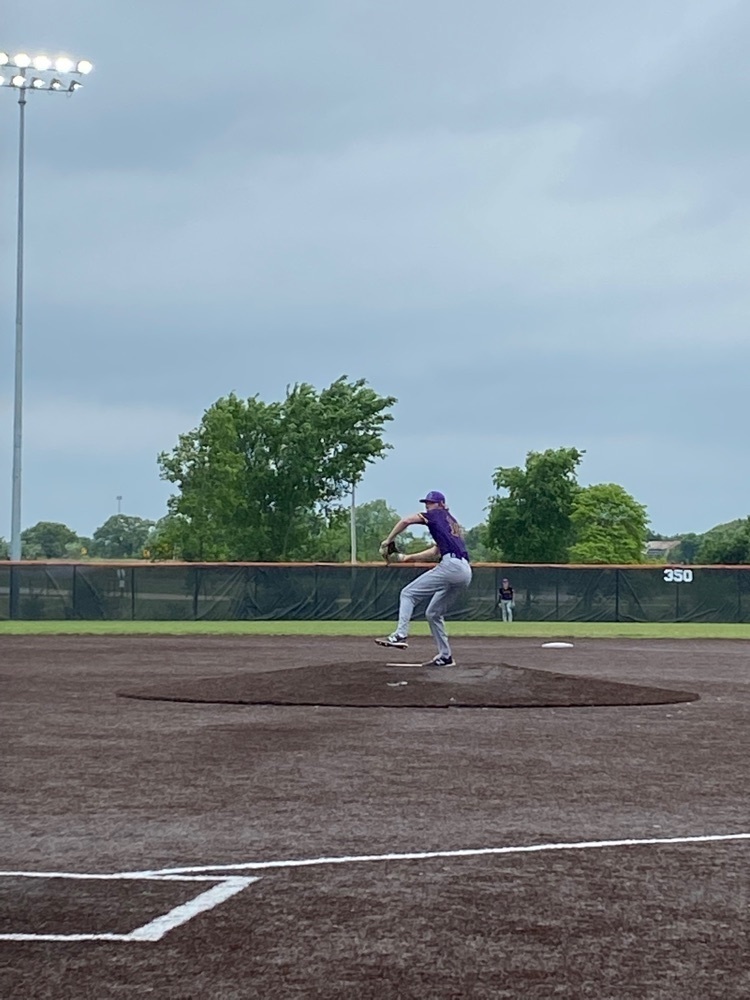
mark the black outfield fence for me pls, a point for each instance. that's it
(253, 592)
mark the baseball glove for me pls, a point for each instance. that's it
(390, 552)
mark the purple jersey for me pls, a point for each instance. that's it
(446, 532)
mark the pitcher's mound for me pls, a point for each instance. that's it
(372, 684)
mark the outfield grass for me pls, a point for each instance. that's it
(521, 630)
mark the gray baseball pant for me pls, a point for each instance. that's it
(439, 585)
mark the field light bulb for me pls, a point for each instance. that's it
(55, 85)
(42, 63)
(75, 85)
(4, 58)
(63, 64)
(84, 66)
(37, 84)
(22, 60)
(18, 81)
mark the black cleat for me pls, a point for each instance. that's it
(441, 661)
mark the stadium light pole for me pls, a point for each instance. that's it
(28, 74)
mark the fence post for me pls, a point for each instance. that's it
(352, 591)
(15, 591)
(617, 595)
(557, 595)
(196, 593)
(739, 594)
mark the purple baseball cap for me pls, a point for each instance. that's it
(434, 496)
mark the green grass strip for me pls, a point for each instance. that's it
(521, 630)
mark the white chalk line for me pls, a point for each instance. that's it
(230, 885)
(463, 853)
(134, 876)
(155, 929)
(64, 937)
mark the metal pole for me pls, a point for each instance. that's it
(353, 525)
(15, 517)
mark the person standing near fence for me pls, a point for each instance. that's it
(438, 585)
(506, 599)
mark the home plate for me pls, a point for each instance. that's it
(557, 645)
(403, 664)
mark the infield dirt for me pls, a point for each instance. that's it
(96, 783)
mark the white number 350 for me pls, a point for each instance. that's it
(678, 576)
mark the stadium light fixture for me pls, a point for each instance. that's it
(51, 75)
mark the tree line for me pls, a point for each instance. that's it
(120, 537)
(263, 482)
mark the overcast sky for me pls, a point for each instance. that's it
(530, 222)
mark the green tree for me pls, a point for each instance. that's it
(122, 537)
(373, 521)
(164, 540)
(254, 478)
(532, 523)
(47, 540)
(478, 543)
(687, 550)
(609, 526)
(726, 544)
(79, 549)
(4, 549)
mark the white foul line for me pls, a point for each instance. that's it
(465, 853)
(65, 937)
(230, 885)
(134, 876)
(159, 926)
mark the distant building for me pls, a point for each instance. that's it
(660, 550)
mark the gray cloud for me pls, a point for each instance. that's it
(535, 208)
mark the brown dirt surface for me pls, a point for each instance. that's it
(398, 854)
(370, 684)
